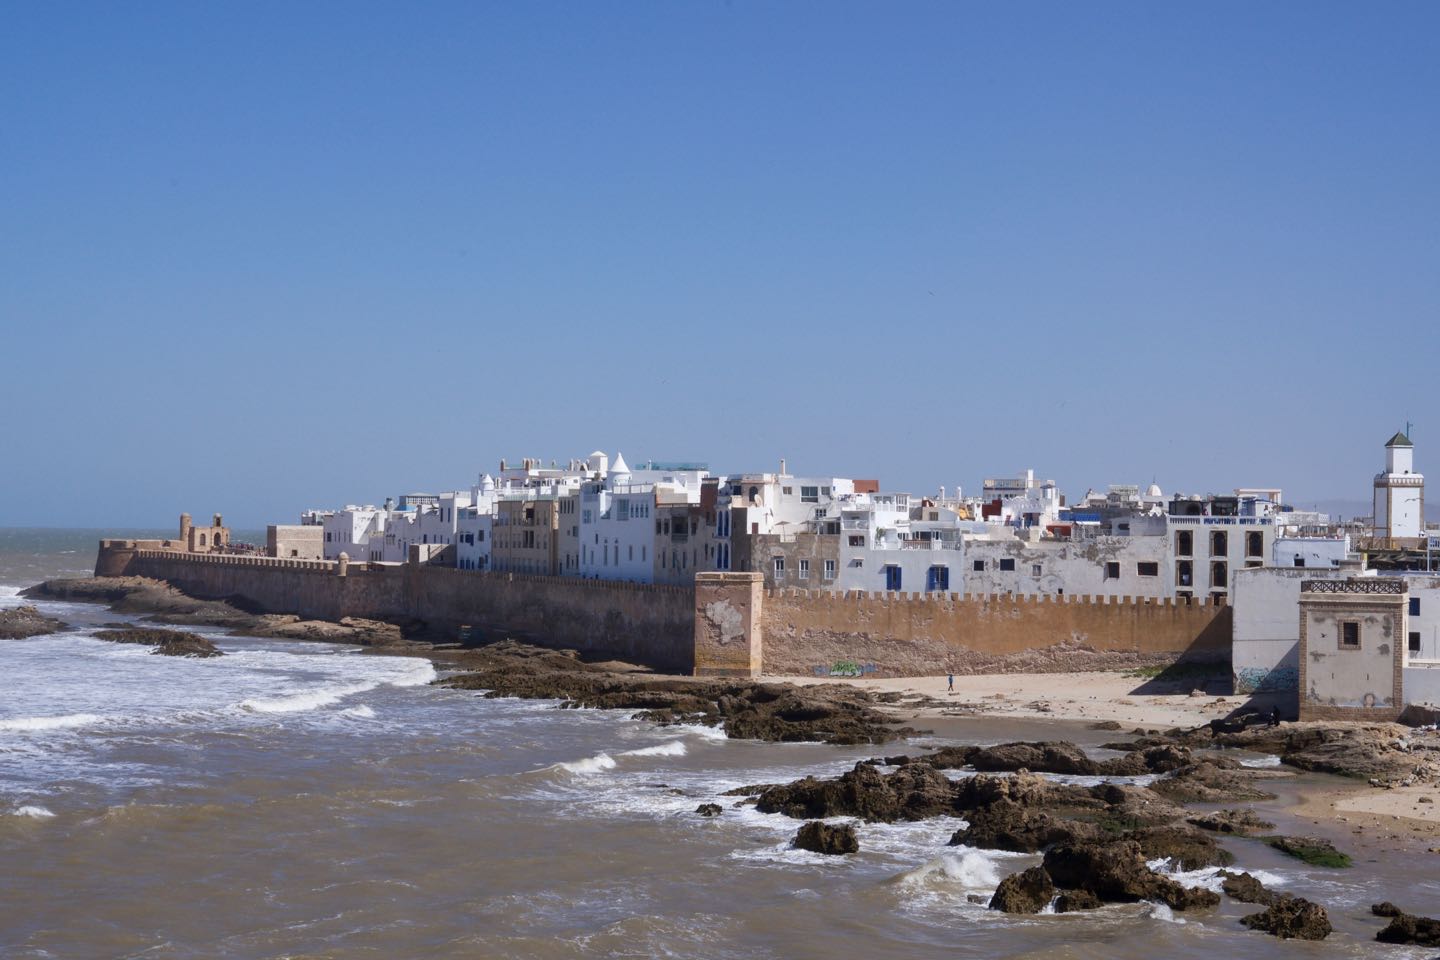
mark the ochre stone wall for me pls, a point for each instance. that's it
(728, 632)
(897, 634)
(649, 624)
(683, 629)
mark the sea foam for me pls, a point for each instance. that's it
(670, 748)
(595, 764)
(34, 812)
(70, 721)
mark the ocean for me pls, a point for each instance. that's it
(309, 800)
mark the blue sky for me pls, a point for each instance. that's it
(262, 257)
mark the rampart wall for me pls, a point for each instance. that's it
(927, 634)
(714, 628)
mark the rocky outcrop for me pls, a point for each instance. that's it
(1406, 928)
(1116, 873)
(913, 792)
(1312, 850)
(1061, 756)
(1029, 891)
(170, 643)
(709, 810)
(17, 623)
(827, 713)
(819, 837)
(1211, 780)
(1238, 822)
(1246, 889)
(1007, 825)
(1184, 847)
(1291, 918)
(1361, 753)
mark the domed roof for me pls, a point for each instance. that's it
(1153, 490)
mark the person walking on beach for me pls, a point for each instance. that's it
(951, 678)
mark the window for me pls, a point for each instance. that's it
(1414, 642)
(787, 490)
(1254, 544)
(1299, 561)
(857, 540)
(937, 579)
(829, 569)
(1007, 563)
(1414, 606)
(804, 570)
(1147, 568)
(1219, 574)
(1035, 569)
(1112, 570)
(892, 577)
(978, 566)
(779, 567)
(809, 494)
(1350, 635)
(1219, 543)
(1184, 543)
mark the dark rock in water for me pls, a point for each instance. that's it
(1211, 780)
(1043, 757)
(824, 838)
(979, 898)
(914, 792)
(948, 758)
(1072, 901)
(1405, 928)
(753, 790)
(1312, 850)
(17, 623)
(1105, 725)
(1291, 918)
(1026, 892)
(1385, 909)
(1007, 825)
(1246, 889)
(1238, 822)
(171, 643)
(1116, 873)
(709, 810)
(1184, 847)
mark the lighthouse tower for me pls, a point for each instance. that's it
(1399, 492)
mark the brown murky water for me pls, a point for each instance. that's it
(304, 801)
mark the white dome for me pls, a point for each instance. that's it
(1153, 490)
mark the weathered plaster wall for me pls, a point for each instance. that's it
(728, 629)
(930, 634)
(1266, 653)
(1364, 682)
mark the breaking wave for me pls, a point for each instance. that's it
(34, 812)
(28, 724)
(670, 748)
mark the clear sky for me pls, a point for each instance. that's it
(261, 257)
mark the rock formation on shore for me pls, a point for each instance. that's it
(159, 602)
(170, 643)
(17, 623)
(781, 712)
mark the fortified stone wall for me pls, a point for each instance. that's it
(897, 634)
(715, 627)
(646, 623)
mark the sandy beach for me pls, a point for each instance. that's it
(1125, 699)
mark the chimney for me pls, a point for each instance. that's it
(782, 467)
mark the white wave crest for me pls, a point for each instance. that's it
(707, 733)
(71, 721)
(1261, 762)
(362, 711)
(34, 812)
(970, 869)
(303, 702)
(1160, 911)
(601, 761)
(420, 673)
(670, 748)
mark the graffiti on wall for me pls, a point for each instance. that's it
(845, 668)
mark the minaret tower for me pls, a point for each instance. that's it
(1399, 492)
